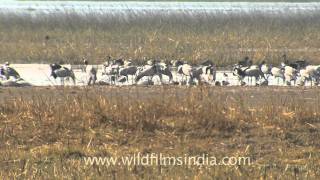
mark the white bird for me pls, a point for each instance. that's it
(250, 72)
(165, 70)
(185, 71)
(265, 69)
(92, 73)
(128, 71)
(290, 74)
(111, 71)
(310, 73)
(6, 72)
(277, 73)
(149, 72)
(196, 72)
(268, 70)
(62, 72)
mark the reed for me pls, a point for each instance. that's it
(194, 37)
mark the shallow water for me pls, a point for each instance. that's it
(39, 75)
(35, 7)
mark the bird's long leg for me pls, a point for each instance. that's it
(132, 77)
(176, 76)
(241, 81)
(89, 81)
(160, 76)
(95, 79)
(184, 78)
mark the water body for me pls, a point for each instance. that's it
(39, 75)
(40, 7)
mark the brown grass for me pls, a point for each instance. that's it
(44, 132)
(223, 38)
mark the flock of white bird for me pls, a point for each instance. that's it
(288, 73)
(124, 72)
